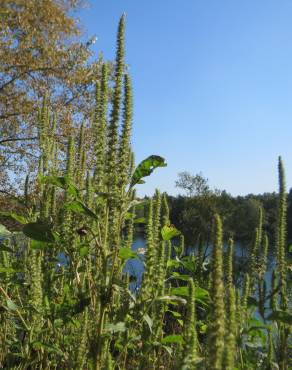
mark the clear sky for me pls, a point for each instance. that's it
(212, 86)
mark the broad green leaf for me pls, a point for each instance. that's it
(38, 245)
(172, 339)
(290, 248)
(61, 182)
(146, 167)
(7, 270)
(200, 294)
(282, 316)
(84, 251)
(168, 350)
(4, 231)
(78, 207)
(115, 328)
(171, 299)
(202, 327)
(176, 275)
(174, 313)
(14, 216)
(181, 291)
(11, 305)
(256, 344)
(128, 215)
(189, 265)
(173, 263)
(126, 253)
(39, 231)
(149, 321)
(169, 231)
(140, 220)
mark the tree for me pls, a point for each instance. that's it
(193, 185)
(40, 54)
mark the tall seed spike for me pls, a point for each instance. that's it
(281, 233)
(274, 299)
(230, 339)
(115, 112)
(245, 293)
(70, 158)
(217, 325)
(265, 250)
(190, 350)
(165, 210)
(229, 263)
(149, 263)
(156, 218)
(124, 147)
(100, 126)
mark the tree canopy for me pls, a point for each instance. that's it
(40, 54)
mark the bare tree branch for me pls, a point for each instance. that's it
(17, 139)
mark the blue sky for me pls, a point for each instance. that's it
(212, 86)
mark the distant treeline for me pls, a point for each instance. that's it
(193, 216)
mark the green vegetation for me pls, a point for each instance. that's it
(193, 214)
(65, 301)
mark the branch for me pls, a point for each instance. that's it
(14, 114)
(11, 139)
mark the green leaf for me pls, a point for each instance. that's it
(126, 253)
(14, 216)
(80, 208)
(169, 231)
(200, 294)
(171, 299)
(168, 350)
(174, 313)
(181, 291)
(202, 327)
(177, 275)
(189, 265)
(146, 167)
(149, 321)
(173, 263)
(84, 251)
(290, 248)
(11, 305)
(140, 220)
(172, 339)
(4, 231)
(282, 316)
(7, 270)
(61, 182)
(128, 215)
(115, 328)
(38, 245)
(39, 231)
